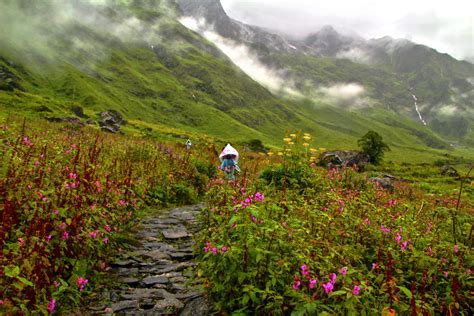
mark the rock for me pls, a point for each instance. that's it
(111, 121)
(343, 159)
(122, 305)
(181, 256)
(197, 307)
(157, 255)
(449, 171)
(175, 234)
(78, 111)
(67, 119)
(385, 183)
(152, 280)
(131, 281)
(144, 293)
(127, 263)
(169, 303)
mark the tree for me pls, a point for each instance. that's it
(373, 145)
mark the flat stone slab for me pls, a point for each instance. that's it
(175, 234)
(152, 280)
(122, 305)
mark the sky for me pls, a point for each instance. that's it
(447, 26)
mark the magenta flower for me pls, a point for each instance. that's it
(404, 245)
(367, 221)
(374, 265)
(333, 277)
(343, 271)
(214, 250)
(456, 248)
(356, 290)
(386, 230)
(312, 283)
(398, 237)
(107, 228)
(328, 287)
(93, 234)
(56, 212)
(446, 273)
(296, 285)
(65, 236)
(305, 269)
(106, 240)
(469, 271)
(429, 251)
(224, 249)
(51, 306)
(1, 302)
(259, 197)
(48, 238)
(66, 186)
(81, 282)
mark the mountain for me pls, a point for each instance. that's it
(134, 57)
(411, 79)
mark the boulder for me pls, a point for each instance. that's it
(111, 121)
(386, 183)
(449, 171)
(336, 159)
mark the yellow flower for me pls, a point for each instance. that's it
(287, 139)
(306, 137)
(280, 153)
(322, 149)
(291, 143)
(270, 154)
(313, 150)
(293, 135)
(288, 149)
(305, 144)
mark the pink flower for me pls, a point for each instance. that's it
(122, 202)
(374, 265)
(404, 245)
(1, 302)
(367, 221)
(51, 306)
(469, 271)
(386, 230)
(446, 273)
(305, 269)
(223, 249)
(106, 240)
(429, 251)
(66, 186)
(296, 285)
(56, 212)
(48, 238)
(214, 250)
(259, 197)
(428, 230)
(328, 287)
(312, 283)
(65, 236)
(398, 237)
(456, 248)
(356, 290)
(56, 284)
(97, 184)
(107, 228)
(333, 277)
(343, 271)
(93, 234)
(81, 282)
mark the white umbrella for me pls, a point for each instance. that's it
(229, 150)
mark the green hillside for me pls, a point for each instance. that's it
(164, 78)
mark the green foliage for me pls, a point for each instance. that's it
(338, 246)
(67, 197)
(373, 145)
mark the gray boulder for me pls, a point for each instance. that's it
(340, 158)
(111, 121)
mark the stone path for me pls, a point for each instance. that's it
(153, 278)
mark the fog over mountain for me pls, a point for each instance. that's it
(447, 26)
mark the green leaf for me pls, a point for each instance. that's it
(338, 293)
(406, 291)
(25, 281)
(12, 271)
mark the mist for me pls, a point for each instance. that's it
(73, 31)
(243, 58)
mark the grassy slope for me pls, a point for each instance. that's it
(187, 89)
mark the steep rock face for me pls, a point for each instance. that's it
(328, 42)
(214, 14)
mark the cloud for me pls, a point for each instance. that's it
(243, 57)
(446, 26)
(62, 30)
(355, 54)
(348, 95)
